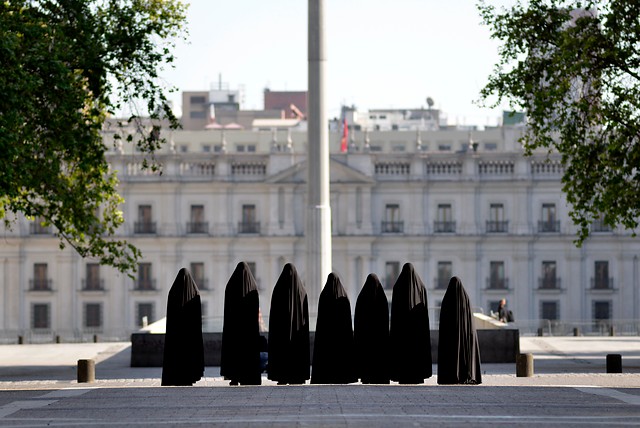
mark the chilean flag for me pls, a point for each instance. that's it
(345, 136)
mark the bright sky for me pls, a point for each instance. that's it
(380, 54)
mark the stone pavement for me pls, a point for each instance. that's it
(557, 361)
(569, 388)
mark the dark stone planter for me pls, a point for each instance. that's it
(496, 346)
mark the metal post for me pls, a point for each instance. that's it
(524, 365)
(614, 363)
(86, 371)
(318, 230)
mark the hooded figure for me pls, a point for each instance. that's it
(289, 330)
(409, 334)
(333, 347)
(458, 350)
(371, 332)
(240, 355)
(183, 361)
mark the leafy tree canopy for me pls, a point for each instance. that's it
(66, 66)
(574, 67)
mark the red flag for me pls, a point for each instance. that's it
(345, 136)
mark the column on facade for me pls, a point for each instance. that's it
(478, 274)
(366, 227)
(636, 288)
(584, 284)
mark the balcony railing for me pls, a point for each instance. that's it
(545, 226)
(145, 284)
(602, 283)
(392, 227)
(35, 228)
(198, 227)
(249, 227)
(441, 283)
(40, 284)
(444, 226)
(93, 285)
(501, 226)
(392, 168)
(202, 283)
(497, 283)
(549, 283)
(146, 227)
(600, 226)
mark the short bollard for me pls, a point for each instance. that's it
(20, 340)
(540, 332)
(86, 371)
(576, 331)
(614, 363)
(524, 365)
(57, 339)
(95, 338)
(612, 330)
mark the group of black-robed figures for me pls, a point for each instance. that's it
(373, 351)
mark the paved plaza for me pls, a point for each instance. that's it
(570, 388)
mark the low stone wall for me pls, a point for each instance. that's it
(147, 349)
(484, 322)
(496, 346)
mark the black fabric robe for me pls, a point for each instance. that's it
(333, 357)
(240, 355)
(371, 332)
(289, 330)
(409, 334)
(183, 359)
(458, 350)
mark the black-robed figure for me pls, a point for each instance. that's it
(371, 332)
(333, 346)
(458, 350)
(240, 355)
(183, 359)
(409, 334)
(289, 330)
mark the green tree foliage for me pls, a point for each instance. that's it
(574, 67)
(66, 65)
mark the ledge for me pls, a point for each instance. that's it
(550, 290)
(496, 346)
(602, 290)
(497, 290)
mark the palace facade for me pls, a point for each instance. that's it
(452, 202)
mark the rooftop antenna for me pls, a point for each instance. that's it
(430, 102)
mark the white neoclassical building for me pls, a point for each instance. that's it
(483, 212)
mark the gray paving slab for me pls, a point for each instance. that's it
(331, 405)
(557, 361)
(570, 388)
